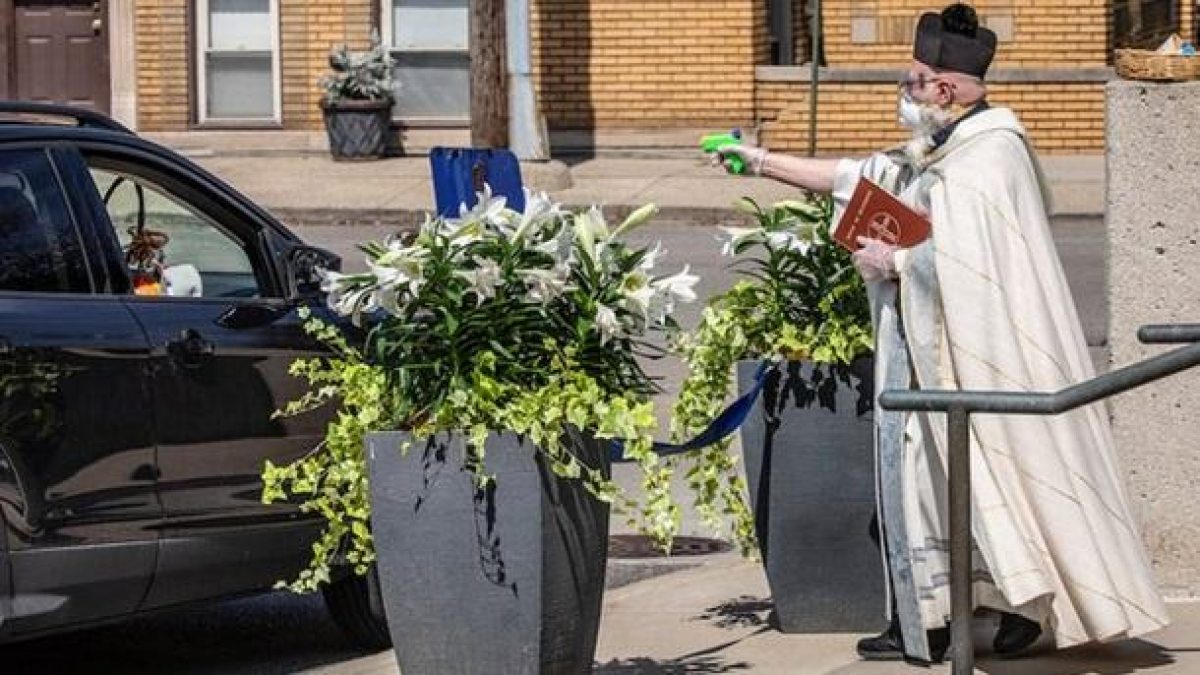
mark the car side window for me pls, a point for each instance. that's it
(40, 248)
(170, 247)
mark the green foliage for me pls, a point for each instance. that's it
(494, 321)
(802, 300)
(332, 479)
(359, 76)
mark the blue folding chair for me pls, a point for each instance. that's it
(460, 173)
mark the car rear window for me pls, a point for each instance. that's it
(40, 249)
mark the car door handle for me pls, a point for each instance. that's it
(191, 349)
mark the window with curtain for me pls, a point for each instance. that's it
(428, 40)
(238, 59)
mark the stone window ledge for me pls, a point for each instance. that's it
(892, 75)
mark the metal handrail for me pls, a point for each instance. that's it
(959, 405)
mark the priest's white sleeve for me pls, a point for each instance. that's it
(879, 167)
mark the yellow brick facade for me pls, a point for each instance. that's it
(854, 118)
(1044, 34)
(614, 65)
(164, 96)
(307, 29)
(638, 63)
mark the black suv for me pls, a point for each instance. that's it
(147, 322)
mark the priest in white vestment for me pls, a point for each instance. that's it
(984, 305)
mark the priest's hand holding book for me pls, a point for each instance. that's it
(875, 259)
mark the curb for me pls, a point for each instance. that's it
(621, 573)
(407, 219)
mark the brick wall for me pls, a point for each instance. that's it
(647, 63)
(1187, 19)
(856, 117)
(1043, 34)
(161, 38)
(307, 30)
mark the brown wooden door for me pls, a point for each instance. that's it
(60, 52)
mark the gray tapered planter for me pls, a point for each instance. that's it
(358, 130)
(810, 464)
(508, 580)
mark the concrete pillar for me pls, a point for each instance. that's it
(122, 60)
(1153, 225)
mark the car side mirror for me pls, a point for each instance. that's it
(304, 264)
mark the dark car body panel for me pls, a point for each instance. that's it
(133, 430)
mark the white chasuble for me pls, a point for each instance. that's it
(984, 305)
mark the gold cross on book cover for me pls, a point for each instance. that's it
(874, 213)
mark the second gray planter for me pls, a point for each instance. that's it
(809, 453)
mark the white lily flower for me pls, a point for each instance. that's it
(538, 210)
(735, 236)
(608, 324)
(546, 285)
(490, 210)
(787, 240)
(348, 294)
(390, 273)
(651, 258)
(468, 231)
(590, 229)
(389, 300)
(484, 279)
(399, 267)
(637, 291)
(675, 288)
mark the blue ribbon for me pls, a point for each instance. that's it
(729, 421)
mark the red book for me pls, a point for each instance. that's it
(876, 214)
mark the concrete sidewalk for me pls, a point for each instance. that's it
(309, 188)
(714, 619)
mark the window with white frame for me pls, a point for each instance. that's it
(428, 41)
(238, 59)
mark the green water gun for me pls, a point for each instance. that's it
(714, 142)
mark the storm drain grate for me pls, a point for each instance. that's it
(640, 546)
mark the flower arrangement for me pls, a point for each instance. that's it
(802, 300)
(358, 76)
(491, 321)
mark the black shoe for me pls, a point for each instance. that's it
(887, 646)
(1016, 634)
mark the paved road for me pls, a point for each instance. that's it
(281, 633)
(267, 635)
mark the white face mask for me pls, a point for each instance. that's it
(909, 111)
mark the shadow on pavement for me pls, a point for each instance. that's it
(1118, 658)
(1127, 657)
(648, 666)
(264, 635)
(744, 612)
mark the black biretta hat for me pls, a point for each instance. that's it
(954, 40)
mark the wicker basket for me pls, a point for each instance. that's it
(1144, 64)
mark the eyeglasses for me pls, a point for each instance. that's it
(909, 82)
